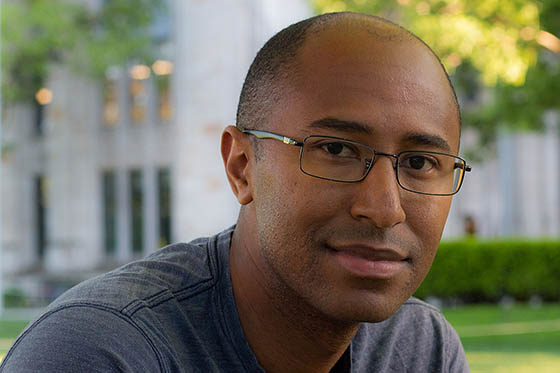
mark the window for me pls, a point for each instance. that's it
(109, 212)
(164, 201)
(110, 103)
(38, 112)
(164, 109)
(136, 213)
(41, 205)
(138, 100)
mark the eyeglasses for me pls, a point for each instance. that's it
(348, 161)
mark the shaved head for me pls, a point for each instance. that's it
(276, 64)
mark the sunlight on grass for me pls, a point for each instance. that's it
(511, 328)
(5, 344)
(495, 362)
(517, 339)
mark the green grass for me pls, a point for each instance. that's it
(491, 314)
(9, 330)
(518, 339)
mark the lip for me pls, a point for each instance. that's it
(369, 262)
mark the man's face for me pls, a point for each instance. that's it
(353, 251)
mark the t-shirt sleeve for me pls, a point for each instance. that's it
(82, 339)
(455, 354)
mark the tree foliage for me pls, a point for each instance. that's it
(495, 36)
(490, 45)
(38, 33)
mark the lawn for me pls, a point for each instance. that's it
(9, 330)
(518, 339)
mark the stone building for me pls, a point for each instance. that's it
(516, 191)
(106, 172)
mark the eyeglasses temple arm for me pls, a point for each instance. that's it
(269, 135)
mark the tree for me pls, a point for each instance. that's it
(495, 45)
(37, 33)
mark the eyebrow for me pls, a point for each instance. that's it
(414, 138)
(427, 140)
(341, 125)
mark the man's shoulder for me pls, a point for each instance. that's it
(417, 335)
(175, 271)
(418, 308)
(413, 316)
(143, 316)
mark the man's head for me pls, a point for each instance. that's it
(274, 61)
(344, 251)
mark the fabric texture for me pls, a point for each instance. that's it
(175, 312)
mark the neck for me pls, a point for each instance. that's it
(283, 330)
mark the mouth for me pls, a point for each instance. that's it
(369, 262)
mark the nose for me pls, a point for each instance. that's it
(377, 198)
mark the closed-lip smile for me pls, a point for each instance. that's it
(368, 261)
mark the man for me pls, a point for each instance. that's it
(339, 224)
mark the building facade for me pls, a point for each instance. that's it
(103, 173)
(514, 192)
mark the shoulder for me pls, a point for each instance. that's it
(416, 311)
(122, 318)
(414, 318)
(77, 338)
(178, 271)
(417, 335)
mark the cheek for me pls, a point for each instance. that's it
(426, 215)
(291, 209)
(285, 219)
(295, 195)
(277, 203)
(426, 219)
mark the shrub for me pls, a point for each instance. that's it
(14, 298)
(479, 271)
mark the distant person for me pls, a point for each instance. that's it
(344, 159)
(470, 226)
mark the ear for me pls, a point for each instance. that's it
(236, 152)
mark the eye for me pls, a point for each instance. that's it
(419, 162)
(340, 149)
(334, 148)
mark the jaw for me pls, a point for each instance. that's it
(278, 323)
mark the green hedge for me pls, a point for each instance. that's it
(14, 298)
(480, 271)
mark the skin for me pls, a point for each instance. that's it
(299, 305)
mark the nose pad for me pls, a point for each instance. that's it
(369, 163)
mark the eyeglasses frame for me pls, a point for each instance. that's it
(289, 141)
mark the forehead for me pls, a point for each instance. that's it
(392, 85)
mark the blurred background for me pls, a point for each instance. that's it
(112, 112)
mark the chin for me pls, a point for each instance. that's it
(365, 309)
(376, 315)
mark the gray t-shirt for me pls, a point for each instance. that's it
(175, 312)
